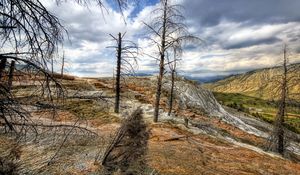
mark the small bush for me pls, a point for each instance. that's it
(239, 107)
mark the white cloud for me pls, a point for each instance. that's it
(231, 45)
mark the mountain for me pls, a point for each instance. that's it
(209, 79)
(261, 83)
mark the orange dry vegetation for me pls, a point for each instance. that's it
(205, 155)
(147, 91)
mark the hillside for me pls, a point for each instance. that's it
(215, 141)
(259, 83)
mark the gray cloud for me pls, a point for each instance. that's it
(211, 12)
(298, 50)
(216, 20)
(252, 42)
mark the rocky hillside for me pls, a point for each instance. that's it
(259, 83)
(195, 97)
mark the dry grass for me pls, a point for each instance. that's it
(91, 110)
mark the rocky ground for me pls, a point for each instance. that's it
(216, 140)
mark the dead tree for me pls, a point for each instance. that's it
(11, 74)
(286, 79)
(171, 98)
(126, 53)
(282, 107)
(168, 22)
(278, 131)
(172, 67)
(118, 75)
(62, 65)
(2, 67)
(31, 35)
(32, 41)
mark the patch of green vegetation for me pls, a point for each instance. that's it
(259, 108)
(293, 124)
(239, 107)
(231, 98)
(89, 109)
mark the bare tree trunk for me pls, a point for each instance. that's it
(11, 74)
(2, 66)
(279, 125)
(52, 64)
(172, 92)
(63, 65)
(114, 81)
(118, 75)
(159, 87)
(162, 64)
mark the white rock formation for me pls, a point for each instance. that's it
(194, 96)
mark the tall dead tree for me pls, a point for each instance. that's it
(126, 54)
(171, 98)
(2, 67)
(177, 51)
(62, 65)
(11, 74)
(285, 79)
(118, 74)
(278, 132)
(167, 29)
(162, 59)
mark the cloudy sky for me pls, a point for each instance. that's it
(238, 35)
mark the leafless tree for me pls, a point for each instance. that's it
(11, 72)
(62, 65)
(167, 29)
(30, 35)
(282, 83)
(2, 67)
(126, 53)
(279, 121)
(173, 72)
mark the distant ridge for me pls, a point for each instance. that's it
(257, 83)
(209, 79)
